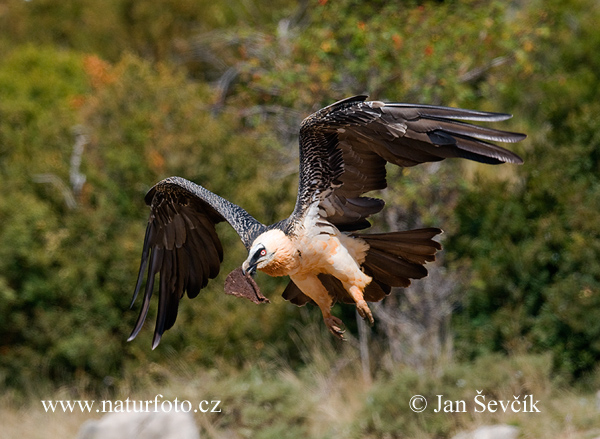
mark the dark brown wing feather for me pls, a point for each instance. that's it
(182, 245)
(344, 149)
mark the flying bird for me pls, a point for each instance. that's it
(344, 149)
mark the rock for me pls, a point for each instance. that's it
(500, 431)
(159, 425)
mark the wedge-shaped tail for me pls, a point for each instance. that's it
(393, 259)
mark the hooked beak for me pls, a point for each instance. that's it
(249, 267)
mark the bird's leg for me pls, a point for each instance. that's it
(361, 305)
(347, 270)
(313, 288)
(335, 326)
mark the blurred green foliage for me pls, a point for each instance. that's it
(495, 377)
(215, 92)
(535, 245)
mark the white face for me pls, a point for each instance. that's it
(262, 251)
(273, 253)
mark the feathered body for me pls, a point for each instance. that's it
(344, 149)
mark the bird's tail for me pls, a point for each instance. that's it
(394, 258)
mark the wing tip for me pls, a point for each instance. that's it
(453, 112)
(517, 161)
(510, 157)
(156, 340)
(135, 331)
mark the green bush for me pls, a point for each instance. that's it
(68, 257)
(534, 245)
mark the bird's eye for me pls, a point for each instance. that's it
(263, 252)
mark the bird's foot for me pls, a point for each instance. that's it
(364, 311)
(335, 326)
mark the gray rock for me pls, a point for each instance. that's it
(500, 431)
(160, 425)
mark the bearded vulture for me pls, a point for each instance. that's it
(344, 149)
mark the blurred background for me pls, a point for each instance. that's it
(100, 100)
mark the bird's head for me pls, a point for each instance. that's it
(273, 253)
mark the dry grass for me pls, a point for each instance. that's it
(34, 423)
(31, 421)
(328, 399)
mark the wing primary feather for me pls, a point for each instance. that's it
(482, 148)
(198, 254)
(422, 110)
(155, 262)
(196, 277)
(144, 261)
(163, 299)
(454, 127)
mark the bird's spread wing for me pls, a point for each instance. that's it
(344, 149)
(182, 245)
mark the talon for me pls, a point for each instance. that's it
(365, 312)
(335, 326)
